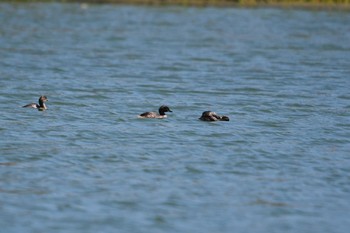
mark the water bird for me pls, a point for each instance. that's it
(162, 110)
(212, 116)
(41, 106)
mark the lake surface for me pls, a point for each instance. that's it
(88, 164)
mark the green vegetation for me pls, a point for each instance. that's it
(337, 4)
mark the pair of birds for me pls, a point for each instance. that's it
(206, 115)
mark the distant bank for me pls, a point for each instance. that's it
(331, 4)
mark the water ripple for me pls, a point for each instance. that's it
(280, 164)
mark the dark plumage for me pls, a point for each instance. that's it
(41, 106)
(212, 116)
(162, 110)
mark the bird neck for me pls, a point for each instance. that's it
(42, 104)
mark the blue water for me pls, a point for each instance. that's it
(88, 164)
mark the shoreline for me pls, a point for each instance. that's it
(302, 4)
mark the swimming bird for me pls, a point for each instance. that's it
(41, 106)
(212, 116)
(162, 110)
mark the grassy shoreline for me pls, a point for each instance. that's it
(315, 4)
